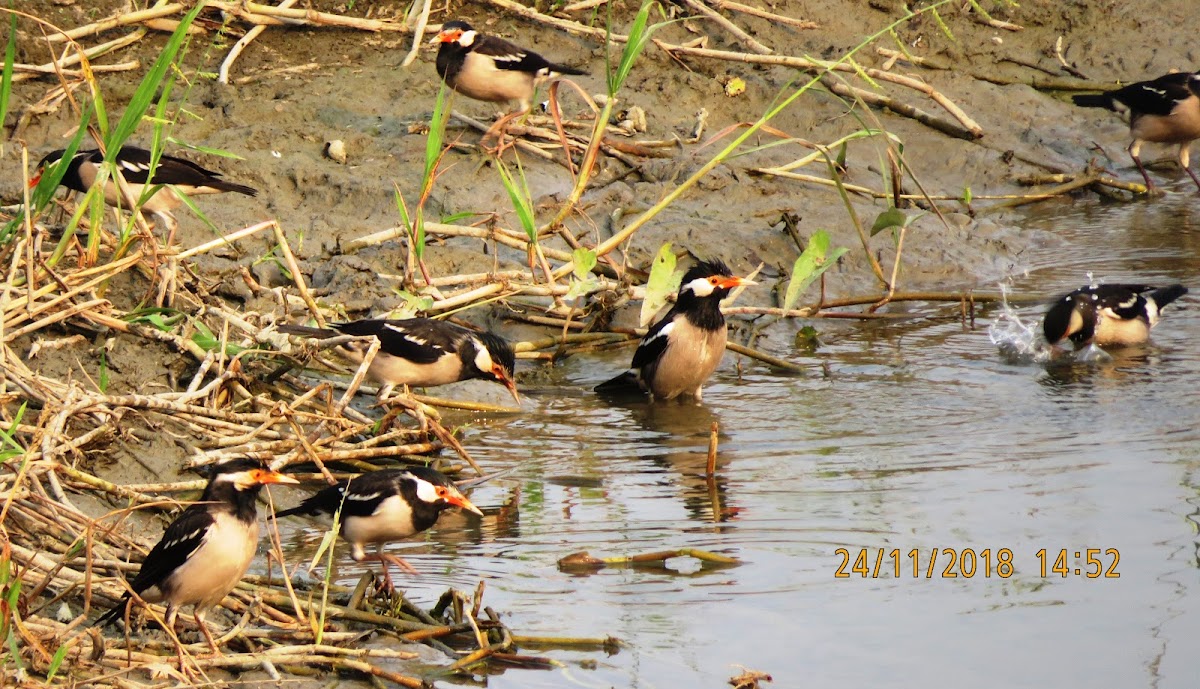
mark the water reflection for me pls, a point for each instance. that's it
(914, 435)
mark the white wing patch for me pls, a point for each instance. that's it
(511, 57)
(185, 538)
(134, 167)
(365, 497)
(664, 333)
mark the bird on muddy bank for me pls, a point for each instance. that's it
(175, 174)
(491, 69)
(682, 350)
(379, 507)
(1163, 110)
(1108, 315)
(422, 352)
(206, 550)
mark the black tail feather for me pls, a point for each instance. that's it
(305, 331)
(1166, 295)
(112, 615)
(233, 186)
(626, 383)
(1093, 100)
(565, 70)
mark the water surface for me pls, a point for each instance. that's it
(912, 435)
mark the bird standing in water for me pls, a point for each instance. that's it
(383, 506)
(1113, 315)
(683, 349)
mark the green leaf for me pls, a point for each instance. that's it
(814, 261)
(56, 661)
(584, 260)
(892, 217)
(966, 195)
(663, 282)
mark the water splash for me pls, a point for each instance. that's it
(1021, 342)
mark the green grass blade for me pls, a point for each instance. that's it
(521, 198)
(10, 59)
(145, 92)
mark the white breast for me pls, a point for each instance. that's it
(216, 566)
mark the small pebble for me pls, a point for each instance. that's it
(64, 614)
(336, 150)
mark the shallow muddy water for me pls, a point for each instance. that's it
(909, 436)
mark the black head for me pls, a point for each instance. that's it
(1071, 316)
(48, 160)
(709, 279)
(51, 157)
(242, 475)
(433, 489)
(495, 362)
(455, 34)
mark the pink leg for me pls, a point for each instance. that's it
(1135, 149)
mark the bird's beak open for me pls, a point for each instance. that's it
(266, 476)
(735, 281)
(446, 37)
(458, 500)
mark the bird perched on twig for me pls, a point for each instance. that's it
(383, 506)
(1164, 110)
(1114, 315)
(206, 550)
(422, 352)
(176, 174)
(682, 350)
(491, 69)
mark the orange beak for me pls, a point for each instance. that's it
(735, 281)
(446, 37)
(266, 476)
(458, 500)
(33, 181)
(507, 381)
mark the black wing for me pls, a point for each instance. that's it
(419, 340)
(360, 499)
(509, 56)
(655, 342)
(1126, 301)
(178, 542)
(135, 167)
(1160, 96)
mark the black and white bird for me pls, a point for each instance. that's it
(682, 350)
(422, 352)
(206, 550)
(1108, 315)
(173, 173)
(491, 69)
(379, 507)
(1164, 110)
